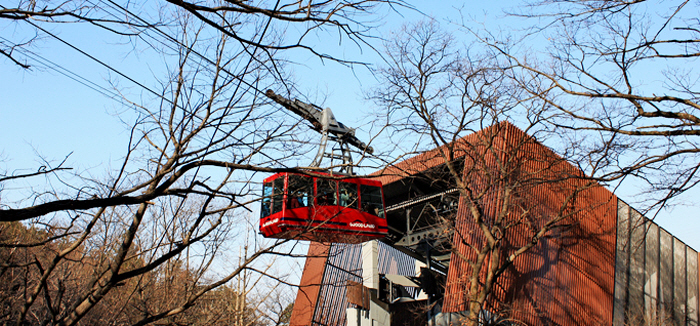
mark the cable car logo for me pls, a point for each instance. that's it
(268, 223)
(362, 225)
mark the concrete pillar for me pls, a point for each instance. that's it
(370, 271)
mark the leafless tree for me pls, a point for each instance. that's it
(515, 194)
(621, 78)
(148, 232)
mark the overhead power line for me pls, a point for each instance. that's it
(63, 70)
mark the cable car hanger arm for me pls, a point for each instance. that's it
(322, 120)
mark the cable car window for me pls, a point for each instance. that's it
(372, 200)
(348, 194)
(300, 191)
(278, 194)
(326, 192)
(266, 200)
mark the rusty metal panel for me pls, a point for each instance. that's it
(651, 270)
(591, 259)
(622, 259)
(692, 263)
(457, 285)
(309, 285)
(680, 290)
(358, 294)
(565, 279)
(467, 234)
(665, 274)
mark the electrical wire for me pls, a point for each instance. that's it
(180, 44)
(152, 27)
(64, 71)
(100, 62)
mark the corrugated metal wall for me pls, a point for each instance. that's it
(601, 269)
(338, 264)
(656, 274)
(343, 265)
(567, 278)
(392, 261)
(310, 284)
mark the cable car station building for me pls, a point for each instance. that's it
(605, 264)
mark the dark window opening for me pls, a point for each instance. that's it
(278, 194)
(300, 191)
(326, 192)
(266, 200)
(348, 194)
(372, 200)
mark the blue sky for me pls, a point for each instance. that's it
(44, 113)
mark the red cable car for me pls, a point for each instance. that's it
(303, 207)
